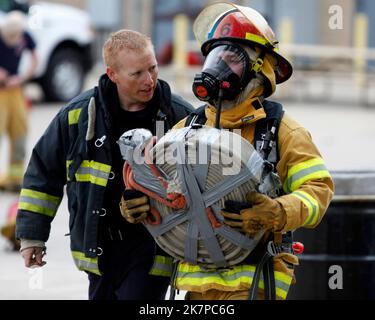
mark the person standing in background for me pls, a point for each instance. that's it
(14, 40)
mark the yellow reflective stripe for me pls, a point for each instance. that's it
(260, 40)
(68, 163)
(97, 166)
(84, 263)
(208, 278)
(162, 266)
(91, 171)
(96, 173)
(39, 202)
(283, 282)
(255, 38)
(36, 209)
(312, 207)
(305, 171)
(40, 195)
(186, 267)
(196, 276)
(192, 275)
(73, 116)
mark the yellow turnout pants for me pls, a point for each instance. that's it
(13, 122)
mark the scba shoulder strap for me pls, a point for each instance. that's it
(198, 117)
(266, 132)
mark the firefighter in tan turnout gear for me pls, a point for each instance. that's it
(241, 70)
(14, 40)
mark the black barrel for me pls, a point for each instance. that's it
(339, 257)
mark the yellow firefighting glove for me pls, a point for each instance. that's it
(265, 213)
(134, 206)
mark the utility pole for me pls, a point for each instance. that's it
(138, 15)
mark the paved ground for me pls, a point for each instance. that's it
(344, 134)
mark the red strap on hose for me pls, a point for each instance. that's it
(154, 218)
(212, 218)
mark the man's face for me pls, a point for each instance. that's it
(135, 75)
(12, 39)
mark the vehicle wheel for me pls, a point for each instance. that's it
(65, 75)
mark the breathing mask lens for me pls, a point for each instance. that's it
(225, 67)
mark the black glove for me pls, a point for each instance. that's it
(236, 206)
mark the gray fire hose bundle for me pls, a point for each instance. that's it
(189, 174)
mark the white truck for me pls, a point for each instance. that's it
(64, 38)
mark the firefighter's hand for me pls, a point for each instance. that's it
(134, 206)
(33, 257)
(264, 214)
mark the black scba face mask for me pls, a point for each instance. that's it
(227, 67)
